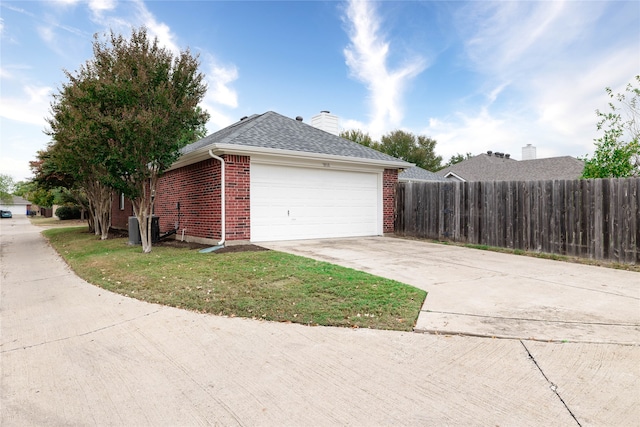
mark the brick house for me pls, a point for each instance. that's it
(283, 180)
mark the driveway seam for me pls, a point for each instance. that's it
(532, 320)
(80, 335)
(552, 386)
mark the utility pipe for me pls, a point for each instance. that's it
(223, 211)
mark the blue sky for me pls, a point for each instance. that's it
(475, 76)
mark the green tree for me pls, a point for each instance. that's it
(135, 105)
(75, 158)
(23, 188)
(7, 186)
(358, 136)
(406, 146)
(457, 158)
(617, 153)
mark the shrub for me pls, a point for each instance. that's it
(68, 212)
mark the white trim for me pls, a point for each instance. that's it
(314, 163)
(453, 175)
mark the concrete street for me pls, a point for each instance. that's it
(75, 354)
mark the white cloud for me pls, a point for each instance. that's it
(366, 57)
(218, 120)
(218, 79)
(139, 15)
(353, 124)
(542, 68)
(219, 94)
(30, 108)
(156, 29)
(476, 134)
(46, 34)
(99, 6)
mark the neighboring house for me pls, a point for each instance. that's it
(500, 167)
(17, 206)
(417, 174)
(284, 180)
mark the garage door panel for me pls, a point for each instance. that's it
(296, 203)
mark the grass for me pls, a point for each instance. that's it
(46, 222)
(265, 285)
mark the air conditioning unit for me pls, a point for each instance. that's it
(134, 230)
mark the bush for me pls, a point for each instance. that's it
(68, 212)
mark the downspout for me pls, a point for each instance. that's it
(223, 211)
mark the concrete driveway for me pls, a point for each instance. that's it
(489, 294)
(74, 354)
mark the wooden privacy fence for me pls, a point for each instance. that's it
(595, 218)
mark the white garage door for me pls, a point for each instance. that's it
(289, 203)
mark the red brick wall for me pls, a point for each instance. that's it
(238, 174)
(120, 217)
(197, 188)
(389, 181)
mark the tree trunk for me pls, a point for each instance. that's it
(100, 200)
(143, 209)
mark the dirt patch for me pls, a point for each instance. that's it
(227, 249)
(117, 234)
(241, 248)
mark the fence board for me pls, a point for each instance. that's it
(597, 219)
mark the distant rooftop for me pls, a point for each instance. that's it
(489, 167)
(418, 174)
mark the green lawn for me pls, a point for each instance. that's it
(266, 285)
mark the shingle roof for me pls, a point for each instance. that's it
(418, 174)
(272, 130)
(484, 167)
(16, 200)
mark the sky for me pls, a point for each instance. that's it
(474, 76)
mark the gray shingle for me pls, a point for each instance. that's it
(418, 174)
(272, 130)
(484, 167)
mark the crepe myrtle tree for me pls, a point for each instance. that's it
(61, 167)
(145, 108)
(74, 158)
